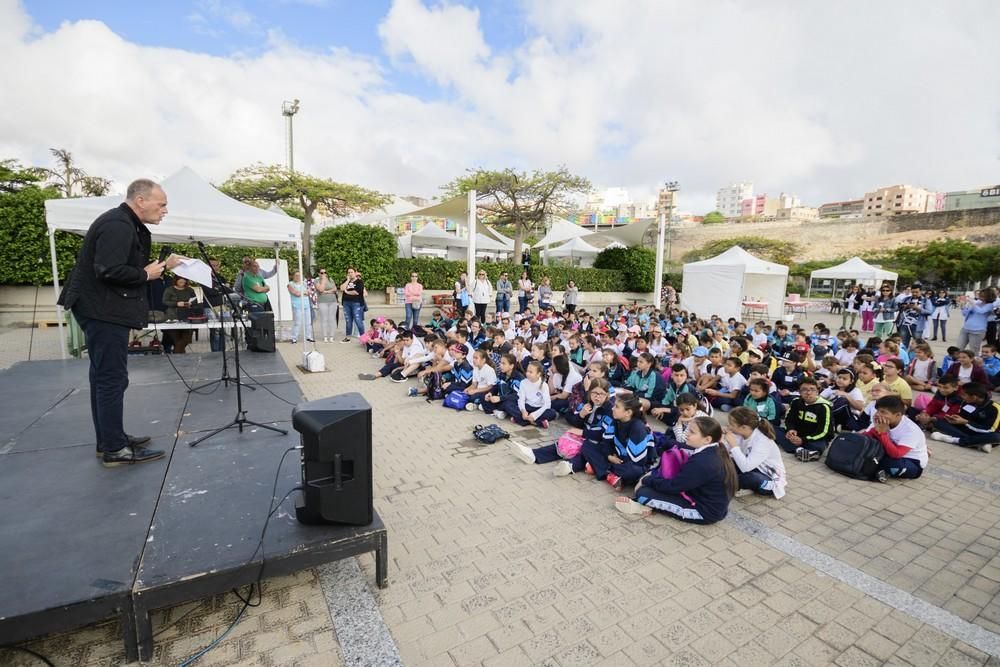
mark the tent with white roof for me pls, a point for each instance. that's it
(856, 270)
(576, 248)
(720, 284)
(197, 211)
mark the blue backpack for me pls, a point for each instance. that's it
(456, 400)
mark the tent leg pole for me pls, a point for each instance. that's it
(55, 285)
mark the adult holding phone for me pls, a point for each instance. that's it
(353, 299)
(327, 304)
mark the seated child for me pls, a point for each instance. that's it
(762, 403)
(789, 375)
(731, 383)
(977, 424)
(433, 372)
(595, 416)
(808, 424)
(846, 400)
(679, 385)
(701, 490)
(562, 382)
(709, 372)
(921, 373)
(460, 375)
(892, 375)
(645, 383)
(902, 440)
(758, 462)
(533, 403)
(687, 409)
(502, 399)
(946, 401)
(627, 454)
(484, 378)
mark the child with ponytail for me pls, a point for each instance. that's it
(701, 491)
(750, 440)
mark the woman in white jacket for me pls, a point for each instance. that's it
(482, 294)
(758, 460)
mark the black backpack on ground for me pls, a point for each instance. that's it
(855, 455)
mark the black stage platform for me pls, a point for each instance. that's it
(80, 543)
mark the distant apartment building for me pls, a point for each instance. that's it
(853, 208)
(729, 200)
(962, 200)
(898, 200)
(798, 213)
(759, 206)
(788, 201)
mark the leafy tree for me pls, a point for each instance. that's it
(67, 177)
(638, 265)
(24, 244)
(781, 252)
(713, 218)
(369, 249)
(949, 261)
(263, 185)
(520, 199)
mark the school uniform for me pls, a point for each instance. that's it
(767, 408)
(533, 398)
(905, 449)
(812, 421)
(982, 429)
(617, 375)
(697, 494)
(596, 427)
(482, 378)
(844, 416)
(788, 380)
(649, 385)
(460, 376)
(669, 400)
(631, 442)
(506, 388)
(568, 385)
(759, 465)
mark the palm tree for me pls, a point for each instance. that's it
(68, 176)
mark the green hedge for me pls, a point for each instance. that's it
(231, 257)
(24, 243)
(371, 250)
(636, 263)
(442, 273)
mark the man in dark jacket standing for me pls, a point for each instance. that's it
(107, 293)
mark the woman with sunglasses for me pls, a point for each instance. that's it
(482, 293)
(327, 304)
(413, 296)
(886, 309)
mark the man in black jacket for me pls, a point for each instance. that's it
(107, 293)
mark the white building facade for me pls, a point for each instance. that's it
(729, 200)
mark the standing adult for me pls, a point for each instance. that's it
(353, 299)
(545, 294)
(482, 293)
(107, 294)
(254, 288)
(570, 295)
(301, 308)
(461, 294)
(851, 308)
(976, 312)
(413, 297)
(326, 303)
(504, 292)
(525, 291)
(885, 308)
(914, 309)
(942, 308)
(867, 310)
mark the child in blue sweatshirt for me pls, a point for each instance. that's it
(502, 399)
(626, 455)
(645, 383)
(598, 426)
(701, 491)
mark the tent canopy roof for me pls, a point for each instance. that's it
(630, 234)
(196, 211)
(433, 236)
(737, 256)
(560, 231)
(574, 248)
(452, 209)
(855, 268)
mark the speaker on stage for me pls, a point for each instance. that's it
(260, 334)
(336, 460)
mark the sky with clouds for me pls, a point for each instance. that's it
(820, 99)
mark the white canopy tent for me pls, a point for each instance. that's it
(630, 235)
(720, 284)
(576, 249)
(463, 211)
(856, 270)
(197, 212)
(561, 231)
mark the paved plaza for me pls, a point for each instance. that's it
(496, 562)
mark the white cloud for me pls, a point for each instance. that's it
(821, 99)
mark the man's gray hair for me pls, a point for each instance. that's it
(141, 187)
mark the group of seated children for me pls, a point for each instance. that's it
(607, 374)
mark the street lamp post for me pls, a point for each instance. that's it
(666, 214)
(289, 109)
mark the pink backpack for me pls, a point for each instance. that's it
(672, 460)
(569, 445)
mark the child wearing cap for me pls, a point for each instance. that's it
(789, 375)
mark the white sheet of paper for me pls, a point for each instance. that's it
(195, 270)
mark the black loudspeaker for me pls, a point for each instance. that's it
(336, 460)
(260, 334)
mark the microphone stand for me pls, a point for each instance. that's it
(226, 377)
(241, 415)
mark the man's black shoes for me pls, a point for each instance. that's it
(129, 456)
(133, 441)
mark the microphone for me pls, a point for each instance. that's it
(201, 246)
(164, 253)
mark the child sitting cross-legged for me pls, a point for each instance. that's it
(534, 406)
(731, 383)
(597, 426)
(946, 401)
(977, 424)
(679, 385)
(625, 457)
(701, 490)
(902, 440)
(761, 402)
(750, 440)
(808, 425)
(502, 399)
(484, 378)
(687, 406)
